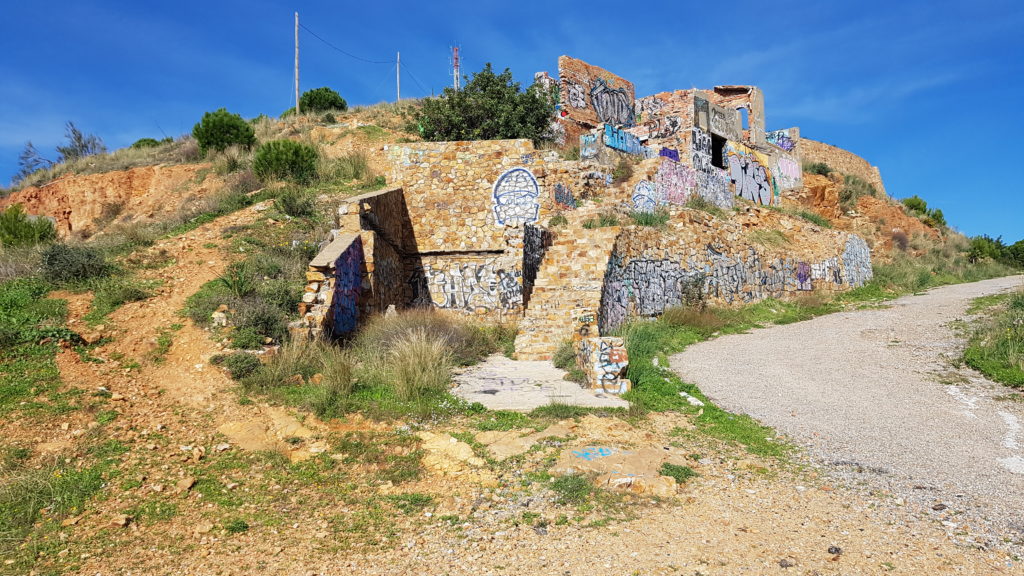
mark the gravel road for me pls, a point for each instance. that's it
(873, 395)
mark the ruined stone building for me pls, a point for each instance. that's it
(471, 226)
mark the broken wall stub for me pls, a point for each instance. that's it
(749, 98)
(335, 281)
(590, 96)
(705, 261)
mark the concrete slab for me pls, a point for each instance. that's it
(500, 383)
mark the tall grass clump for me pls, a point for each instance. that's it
(419, 363)
(853, 188)
(352, 166)
(817, 168)
(656, 219)
(815, 218)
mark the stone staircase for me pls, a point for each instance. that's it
(568, 285)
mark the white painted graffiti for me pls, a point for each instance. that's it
(472, 287)
(857, 261)
(645, 196)
(752, 180)
(577, 96)
(675, 183)
(788, 173)
(515, 198)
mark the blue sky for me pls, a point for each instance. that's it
(928, 91)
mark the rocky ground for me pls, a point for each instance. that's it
(209, 481)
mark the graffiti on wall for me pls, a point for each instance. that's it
(604, 360)
(674, 183)
(723, 121)
(588, 146)
(803, 276)
(645, 196)
(348, 283)
(663, 127)
(700, 113)
(669, 153)
(749, 170)
(787, 173)
(613, 105)
(624, 141)
(648, 106)
(646, 288)
(781, 139)
(516, 194)
(577, 96)
(564, 198)
(712, 182)
(857, 261)
(473, 287)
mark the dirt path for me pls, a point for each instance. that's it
(874, 396)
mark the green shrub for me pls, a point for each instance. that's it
(817, 168)
(853, 188)
(320, 100)
(20, 229)
(201, 305)
(63, 263)
(623, 171)
(238, 279)
(558, 220)
(572, 489)
(150, 142)
(468, 342)
(916, 204)
(219, 129)
(488, 107)
(286, 160)
(259, 318)
(296, 203)
(239, 364)
(565, 359)
(111, 293)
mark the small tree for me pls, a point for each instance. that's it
(20, 229)
(30, 161)
(916, 204)
(285, 159)
(490, 107)
(320, 100)
(79, 145)
(220, 129)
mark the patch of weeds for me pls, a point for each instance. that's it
(236, 526)
(656, 219)
(503, 420)
(565, 359)
(238, 364)
(107, 416)
(604, 220)
(680, 473)
(768, 238)
(111, 293)
(153, 511)
(572, 489)
(410, 503)
(558, 220)
(702, 204)
(815, 218)
(996, 344)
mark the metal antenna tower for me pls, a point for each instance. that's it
(456, 68)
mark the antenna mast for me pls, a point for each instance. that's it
(456, 68)
(297, 111)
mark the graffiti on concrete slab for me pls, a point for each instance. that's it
(700, 114)
(666, 127)
(712, 182)
(613, 105)
(588, 146)
(752, 179)
(857, 261)
(473, 287)
(781, 139)
(348, 273)
(675, 183)
(591, 453)
(803, 276)
(646, 288)
(787, 173)
(721, 122)
(669, 153)
(645, 196)
(564, 198)
(648, 106)
(623, 141)
(516, 194)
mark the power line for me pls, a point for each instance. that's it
(415, 79)
(350, 55)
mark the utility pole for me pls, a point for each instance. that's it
(297, 111)
(398, 76)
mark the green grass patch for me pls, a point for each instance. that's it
(572, 489)
(996, 344)
(815, 218)
(656, 219)
(680, 473)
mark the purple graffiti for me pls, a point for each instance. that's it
(348, 273)
(803, 276)
(669, 153)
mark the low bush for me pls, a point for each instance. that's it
(256, 320)
(565, 359)
(64, 263)
(321, 100)
(285, 160)
(111, 293)
(150, 142)
(219, 129)
(19, 229)
(622, 172)
(296, 203)
(352, 166)
(853, 188)
(817, 168)
(468, 342)
(419, 363)
(996, 345)
(238, 364)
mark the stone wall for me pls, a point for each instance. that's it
(747, 97)
(700, 259)
(461, 196)
(841, 160)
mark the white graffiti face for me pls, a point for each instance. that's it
(645, 197)
(515, 198)
(751, 179)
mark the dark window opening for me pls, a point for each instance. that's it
(717, 151)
